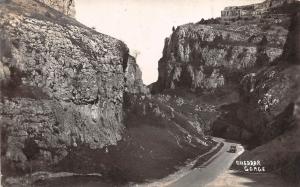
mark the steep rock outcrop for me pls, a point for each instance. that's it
(73, 100)
(62, 85)
(133, 78)
(208, 56)
(246, 58)
(248, 70)
(270, 93)
(281, 154)
(65, 6)
(254, 10)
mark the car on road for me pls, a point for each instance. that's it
(232, 149)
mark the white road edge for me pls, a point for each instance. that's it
(199, 177)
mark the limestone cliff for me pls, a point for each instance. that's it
(254, 10)
(73, 100)
(200, 56)
(282, 153)
(65, 6)
(235, 60)
(62, 85)
(247, 70)
(133, 78)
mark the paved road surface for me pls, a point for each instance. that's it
(216, 166)
(236, 179)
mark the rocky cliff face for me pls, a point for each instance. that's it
(62, 85)
(247, 70)
(133, 78)
(207, 56)
(254, 10)
(67, 7)
(281, 154)
(72, 99)
(239, 58)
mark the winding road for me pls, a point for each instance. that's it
(210, 170)
(201, 176)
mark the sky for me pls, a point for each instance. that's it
(144, 24)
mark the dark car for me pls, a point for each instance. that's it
(232, 149)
